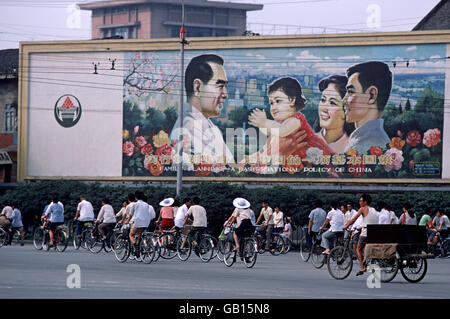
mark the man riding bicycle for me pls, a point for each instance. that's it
(56, 213)
(85, 213)
(200, 222)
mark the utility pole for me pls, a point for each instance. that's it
(181, 108)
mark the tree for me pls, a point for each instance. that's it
(408, 105)
(154, 121)
(132, 115)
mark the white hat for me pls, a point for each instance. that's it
(240, 202)
(167, 202)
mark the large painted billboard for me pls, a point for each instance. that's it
(371, 112)
(338, 108)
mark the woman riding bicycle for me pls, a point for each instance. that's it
(243, 216)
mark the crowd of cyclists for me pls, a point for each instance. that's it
(185, 224)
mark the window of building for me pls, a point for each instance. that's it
(10, 118)
(120, 32)
(199, 32)
(120, 10)
(221, 33)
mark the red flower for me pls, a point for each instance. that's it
(165, 150)
(432, 137)
(376, 150)
(128, 148)
(147, 149)
(156, 169)
(413, 138)
(202, 169)
(140, 141)
(411, 164)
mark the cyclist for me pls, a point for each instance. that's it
(370, 216)
(140, 213)
(165, 218)
(267, 213)
(316, 219)
(200, 221)
(181, 214)
(107, 220)
(6, 216)
(56, 214)
(16, 224)
(243, 218)
(440, 228)
(278, 221)
(336, 219)
(85, 213)
(384, 216)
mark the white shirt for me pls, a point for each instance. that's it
(180, 216)
(278, 219)
(152, 212)
(394, 217)
(358, 223)
(121, 212)
(128, 210)
(8, 212)
(199, 214)
(370, 219)
(86, 211)
(287, 230)
(384, 217)
(106, 214)
(336, 218)
(141, 214)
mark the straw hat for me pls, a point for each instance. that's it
(240, 202)
(167, 202)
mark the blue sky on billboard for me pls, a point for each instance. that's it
(25, 20)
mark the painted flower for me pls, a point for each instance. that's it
(352, 152)
(258, 168)
(128, 148)
(202, 169)
(136, 129)
(432, 137)
(125, 134)
(399, 133)
(313, 154)
(397, 143)
(357, 170)
(397, 159)
(413, 138)
(140, 141)
(161, 138)
(292, 169)
(155, 169)
(147, 149)
(376, 150)
(411, 164)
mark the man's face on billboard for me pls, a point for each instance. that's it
(213, 93)
(356, 101)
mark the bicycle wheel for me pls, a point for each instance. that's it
(38, 238)
(205, 249)
(339, 263)
(388, 269)
(287, 245)
(317, 258)
(61, 240)
(95, 243)
(3, 237)
(157, 246)
(250, 252)
(168, 246)
(147, 249)
(215, 243)
(414, 269)
(87, 237)
(261, 243)
(229, 257)
(183, 249)
(305, 252)
(46, 243)
(277, 245)
(121, 248)
(220, 249)
(76, 241)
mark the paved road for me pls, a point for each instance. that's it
(28, 273)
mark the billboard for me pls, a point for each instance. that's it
(342, 112)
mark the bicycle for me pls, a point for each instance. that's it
(203, 248)
(96, 244)
(287, 244)
(60, 238)
(340, 259)
(248, 251)
(123, 249)
(441, 248)
(276, 246)
(5, 236)
(305, 251)
(82, 241)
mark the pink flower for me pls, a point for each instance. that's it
(413, 138)
(164, 151)
(136, 129)
(128, 148)
(432, 137)
(140, 141)
(411, 164)
(147, 149)
(399, 133)
(397, 159)
(258, 168)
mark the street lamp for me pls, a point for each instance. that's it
(181, 108)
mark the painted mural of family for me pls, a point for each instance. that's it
(349, 111)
